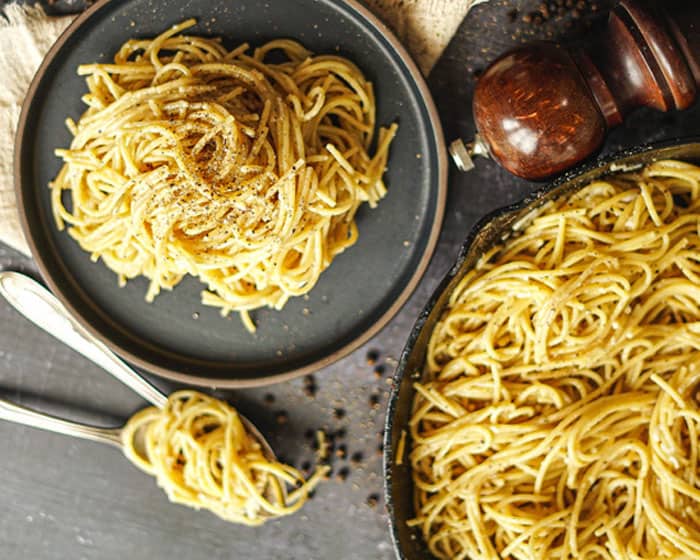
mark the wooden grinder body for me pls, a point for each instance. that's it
(542, 108)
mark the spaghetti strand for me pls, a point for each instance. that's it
(557, 417)
(192, 159)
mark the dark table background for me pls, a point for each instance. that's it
(62, 498)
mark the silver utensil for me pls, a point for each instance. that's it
(21, 415)
(42, 308)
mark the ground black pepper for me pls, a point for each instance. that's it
(342, 474)
(357, 457)
(340, 433)
(310, 387)
(551, 10)
(310, 391)
(372, 357)
(339, 413)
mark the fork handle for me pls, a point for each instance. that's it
(43, 309)
(21, 415)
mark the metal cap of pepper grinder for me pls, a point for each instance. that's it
(463, 152)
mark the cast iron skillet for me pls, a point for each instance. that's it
(492, 229)
(176, 336)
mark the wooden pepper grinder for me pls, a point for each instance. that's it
(542, 108)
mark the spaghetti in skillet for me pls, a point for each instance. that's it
(558, 416)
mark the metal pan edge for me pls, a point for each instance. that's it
(398, 485)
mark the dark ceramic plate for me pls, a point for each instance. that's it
(493, 229)
(354, 298)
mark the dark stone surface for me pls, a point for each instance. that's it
(64, 498)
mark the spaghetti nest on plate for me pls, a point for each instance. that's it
(246, 173)
(559, 414)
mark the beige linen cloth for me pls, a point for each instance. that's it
(27, 33)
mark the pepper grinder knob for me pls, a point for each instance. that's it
(462, 152)
(542, 108)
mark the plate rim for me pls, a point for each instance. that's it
(435, 134)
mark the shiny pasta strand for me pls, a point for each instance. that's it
(192, 159)
(558, 413)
